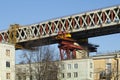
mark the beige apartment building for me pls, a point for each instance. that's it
(7, 62)
(107, 66)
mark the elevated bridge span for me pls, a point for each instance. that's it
(84, 25)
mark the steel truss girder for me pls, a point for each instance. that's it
(74, 23)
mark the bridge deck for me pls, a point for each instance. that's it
(85, 25)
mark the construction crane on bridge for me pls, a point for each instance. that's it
(66, 45)
(80, 26)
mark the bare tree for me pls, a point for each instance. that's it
(41, 64)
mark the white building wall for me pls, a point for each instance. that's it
(84, 70)
(7, 54)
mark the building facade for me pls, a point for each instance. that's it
(37, 71)
(77, 69)
(99, 67)
(107, 66)
(7, 62)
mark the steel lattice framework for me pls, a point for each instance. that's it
(80, 25)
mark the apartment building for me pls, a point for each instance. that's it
(7, 62)
(98, 67)
(37, 71)
(107, 66)
(77, 69)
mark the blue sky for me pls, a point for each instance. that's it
(26, 12)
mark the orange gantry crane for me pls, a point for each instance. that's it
(66, 45)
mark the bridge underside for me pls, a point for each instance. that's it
(80, 26)
(97, 32)
(76, 35)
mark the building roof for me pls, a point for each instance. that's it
(107, 55)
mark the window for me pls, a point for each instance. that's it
(91, 65)
(7, 75)
(62, 66)
(24, 77)
(19, 78)
(106, 74)
(8, 53)
(68, 75)
(102, 74)
(31, 77)
(108, 68)
(75, 74)
(90, 74)
(76, 66)
(7, 64)
(63, 75)
(69, 66)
